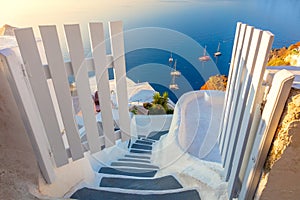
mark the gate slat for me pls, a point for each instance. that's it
(234, 115)
(117, 46)
(11, 64)
(99, 54)
(224, 142)
(238, 156)
(276, 99)
(60, 81)
(231, 69)
(38, 82)
(255, 96)
(76, 51)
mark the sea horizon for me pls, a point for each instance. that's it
(205, 22)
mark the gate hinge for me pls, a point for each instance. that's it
(25, 72)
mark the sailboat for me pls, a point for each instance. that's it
(204, 58)
(173, 85)
(218, 53)
(171, 59)
(174, 73)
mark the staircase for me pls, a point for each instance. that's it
(132, 177)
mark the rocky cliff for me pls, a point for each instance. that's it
(218, 82)
(7, 30)
(285, 56)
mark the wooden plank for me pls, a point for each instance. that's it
(231, 69)
(237, 153)
(76, 51)
(254, 99)
(224, 141)
(230, 87)
(99, 54)
(117, 135)
(22, 93)
(61, 86)
(117, 46)
(38, 82)
(234, 115)
(276, 99)
(89, 64)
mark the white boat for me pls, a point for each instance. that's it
(204, 58)
(218, 53)
(173, 86)
(175, 72)
(171, 58)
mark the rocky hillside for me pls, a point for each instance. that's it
(7, 30)
(278, 57)
(218, 82)
(285, 56)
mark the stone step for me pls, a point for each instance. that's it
(140, 151)
(137, 165)
(128, 172)
(156, 135)
(143, 142)
(148, 140)
(137, 156)
(163, 183)
(141, 146)
(134, 160)
(93, 194)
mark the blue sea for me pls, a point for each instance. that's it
(155, 29)
(207, 23)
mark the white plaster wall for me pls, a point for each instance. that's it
(145, 124)
(200, 122)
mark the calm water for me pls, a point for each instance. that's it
(208, 23)
(196, 22)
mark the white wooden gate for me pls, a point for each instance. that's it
(242, 122)
(29, 82)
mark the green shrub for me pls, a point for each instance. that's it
(147, 105)
(170, 111)
(134, 110)
(162, 100)
(157, 109)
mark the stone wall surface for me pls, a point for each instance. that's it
(282, 168)
(18, 167)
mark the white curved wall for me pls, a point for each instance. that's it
(196, 123)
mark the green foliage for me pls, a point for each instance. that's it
(147, 105)
(170, 111)
(159, 105)
(134, 110)
(156, 98)
(157, 109)
(162, 100)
